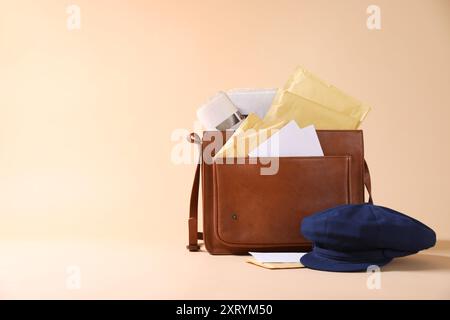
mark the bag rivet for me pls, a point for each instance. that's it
(234, 216)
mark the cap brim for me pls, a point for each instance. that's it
(313, 261)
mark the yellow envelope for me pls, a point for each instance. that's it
(276, 265)
(305, 99)
(253, 132)
(229, 149)
(292, 107)
(305, 84)
(249, 138)
(306, 112)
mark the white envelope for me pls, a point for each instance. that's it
(218, 109)
(252, 100)
(290, 141)
(276, 257)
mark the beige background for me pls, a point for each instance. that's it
(87, 117)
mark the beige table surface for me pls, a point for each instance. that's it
(131, 271)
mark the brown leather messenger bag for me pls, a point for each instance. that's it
(244, 210)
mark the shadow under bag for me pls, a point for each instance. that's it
(245, 211)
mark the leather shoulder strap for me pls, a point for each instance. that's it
(367, 181)
(194, 235)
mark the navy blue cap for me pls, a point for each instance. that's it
(354, 237)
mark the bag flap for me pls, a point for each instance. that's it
(257, 210)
